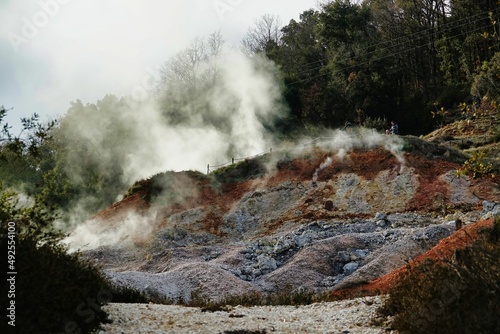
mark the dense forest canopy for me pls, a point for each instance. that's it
(358, 62)
(385, 58)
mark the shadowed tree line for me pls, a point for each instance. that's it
(399, 59)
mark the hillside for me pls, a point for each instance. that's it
(327, 217)
(471, 131)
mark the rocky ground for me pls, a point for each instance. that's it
(318, 256)
(347, 316)
(328, 218)
(350, 315)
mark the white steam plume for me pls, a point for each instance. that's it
(343, 142)
(131, 141)
(323, 165)
(223, 121)
(134, 228)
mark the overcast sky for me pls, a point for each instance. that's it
(56, 51)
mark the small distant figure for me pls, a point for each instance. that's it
(458, 224)
(394, 128)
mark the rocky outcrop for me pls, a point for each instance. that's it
(306, 224)
(319, 256)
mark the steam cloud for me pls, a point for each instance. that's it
(219, 112)
(343, 142)
(323, 165)
(134, 228)
(205, 111)
(208, 125)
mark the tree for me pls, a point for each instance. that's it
(358, 73)
(31, 136)
(487, 81)
(431, 48)
(51, 285)
(187, 78)
(302, 58)
(194, 65)
(27, 155)
(94, 141)
(264, 37)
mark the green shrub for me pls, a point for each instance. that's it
(476, 166)
(379, 123)
(458, 296)
(487, 81)
(56, 292)
(53, 291)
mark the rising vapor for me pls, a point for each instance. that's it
(207, 109)
(211, 104)
(342, 142)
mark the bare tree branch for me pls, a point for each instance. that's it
(265, 33)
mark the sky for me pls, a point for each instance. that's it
(53, 52)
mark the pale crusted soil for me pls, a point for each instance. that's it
(347, 316)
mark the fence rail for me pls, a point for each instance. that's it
(211, 168)
(313, 142)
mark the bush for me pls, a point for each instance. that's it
(54, 291)
(457, 296)
(476, 166)
(487, 81)
(378, 123)
(287, 296)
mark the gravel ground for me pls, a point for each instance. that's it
(347, 316)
